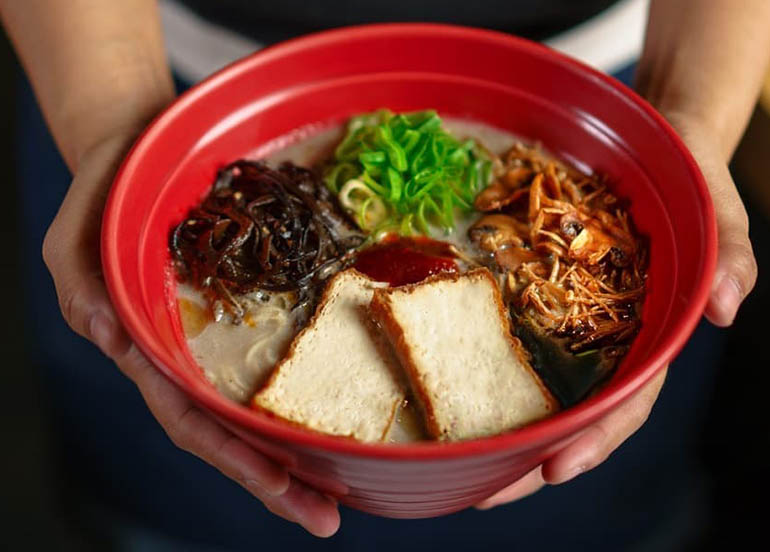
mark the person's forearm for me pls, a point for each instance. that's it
(97, 67)
(704, 61)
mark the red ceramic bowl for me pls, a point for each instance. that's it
(510, 83)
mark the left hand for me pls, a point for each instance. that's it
(591, 448)
(734, 278)
(71, 253)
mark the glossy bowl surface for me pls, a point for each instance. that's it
(258, 103)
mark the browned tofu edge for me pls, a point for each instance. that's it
(381, 310)
(270, 414)
(322, 305)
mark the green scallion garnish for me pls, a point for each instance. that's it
(405, 172)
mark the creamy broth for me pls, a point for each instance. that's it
(237, 359)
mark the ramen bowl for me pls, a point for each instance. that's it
(258, 104)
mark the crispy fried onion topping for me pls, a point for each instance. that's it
(572, 260)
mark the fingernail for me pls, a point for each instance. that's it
(102, 329)
(572, 473)
(579, 465)
(485, 505)
(729, 297)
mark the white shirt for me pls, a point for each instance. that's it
(609, 41)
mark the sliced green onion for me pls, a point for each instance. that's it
(422, 221)
(404, 172)
(363, 203)
(396, 184)
(372, 183)
(409, 140)
(372, 157)
(406, 225)
(431, 124)
(340, 174)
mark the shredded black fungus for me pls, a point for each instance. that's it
(262, 228)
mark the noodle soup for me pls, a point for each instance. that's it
(561, 248)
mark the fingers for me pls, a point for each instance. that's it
(71, 246)
(86, 307)
(197, 433)
(589, 450)
(736, 271)
(317, 513)
(597, 442)
(70, 251)
(193, 430)
(527, 485)
(734, 278)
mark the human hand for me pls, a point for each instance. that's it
(734, 278)
(71, 252)
(736, 271)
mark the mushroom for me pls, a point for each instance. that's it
(491, 232)
(570, 226)
(512, 257)
(593, 243)
(505, 190)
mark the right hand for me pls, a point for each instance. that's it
(71, 252)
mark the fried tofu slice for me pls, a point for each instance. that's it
(452, 336)
(336, 377)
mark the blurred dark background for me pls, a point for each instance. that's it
(35, 510)
(26, 498)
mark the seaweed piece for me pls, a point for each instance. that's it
(570, 377)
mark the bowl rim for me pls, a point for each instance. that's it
(549, 430)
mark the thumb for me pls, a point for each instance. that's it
(736, 271)
(734, 278)
(71, 250)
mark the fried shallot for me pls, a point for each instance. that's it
(573, 264)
